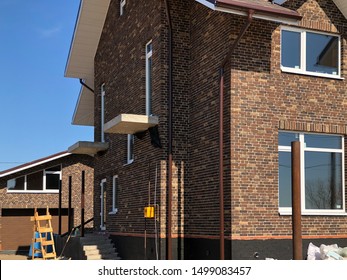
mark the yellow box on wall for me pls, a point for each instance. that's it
(149, 212)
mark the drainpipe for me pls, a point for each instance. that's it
(169, 178)
(85, 85)
(221, 134)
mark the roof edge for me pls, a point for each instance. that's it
(33, 163)
(274, 13)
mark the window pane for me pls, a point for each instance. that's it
(52, 181)
(322, 53)
(16, 184)
(149, 48)
(35, 181)
(286, 138)
(323, 141)
(323, 180)
(290, 49)
(285, 179)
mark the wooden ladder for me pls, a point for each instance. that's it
(43, 234)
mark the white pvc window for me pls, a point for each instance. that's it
(103, 204)
(122, 7)
(310, 53)
(102, 120)
(114, 195)
(321, 170)
(149, 78)
(130, 148)
(47, 180)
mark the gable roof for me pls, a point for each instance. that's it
(33, 164)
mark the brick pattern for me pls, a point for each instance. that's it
(259, 100)
(120, 64)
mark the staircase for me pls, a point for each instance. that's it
(98, 247)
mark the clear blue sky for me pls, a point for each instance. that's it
(37, 101)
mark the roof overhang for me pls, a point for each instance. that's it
(262, 9)
(84, 110)
(90, 22)
(342, 5)
(88, 148)
(33, 164)
(130, 123)
(80, 64)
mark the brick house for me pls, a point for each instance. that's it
(36, 185)
(159, 77)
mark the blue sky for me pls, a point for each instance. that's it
(37, 101)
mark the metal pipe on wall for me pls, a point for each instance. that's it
(296, 201)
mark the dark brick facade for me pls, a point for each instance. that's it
(260, 100)
(20, 206)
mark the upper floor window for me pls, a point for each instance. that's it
(114, 194)
(122, 7)
(149, 78)
(102, 117)
(47, 180)
(311, 53)
(130, 148)
(321, 173)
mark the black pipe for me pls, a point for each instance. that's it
(85, 85)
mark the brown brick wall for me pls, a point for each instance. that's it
(120, 64)
(259, 100)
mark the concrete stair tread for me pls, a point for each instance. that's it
(98, 247)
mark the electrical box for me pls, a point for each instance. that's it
(149, 212)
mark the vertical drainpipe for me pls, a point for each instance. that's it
(169, 177)
(221, 134)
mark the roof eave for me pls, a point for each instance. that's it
(275, 14)
(33, 164)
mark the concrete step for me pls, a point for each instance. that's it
(98, 247)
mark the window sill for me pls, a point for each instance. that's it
(312, 74)
(36, 192)
(314, 213)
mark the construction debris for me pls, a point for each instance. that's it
(326, 252)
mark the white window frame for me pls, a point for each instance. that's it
(302, 69)
(130, 149)
(102, 121)
(102, 204)
(114, 194)
(122, 6)
(303, 149)
(44, 190)
(148, 79)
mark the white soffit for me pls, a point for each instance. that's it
(269, 16)
(88, 29)
(84, 111)
(342, 5)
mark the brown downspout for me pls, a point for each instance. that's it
(169, 178)
(221, 140)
